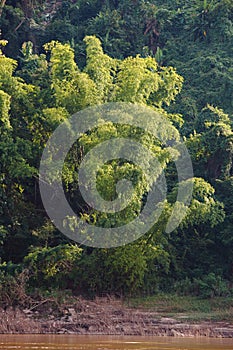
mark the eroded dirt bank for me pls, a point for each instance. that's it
(103, 316)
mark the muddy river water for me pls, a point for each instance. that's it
(72, 342)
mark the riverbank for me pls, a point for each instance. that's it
(106, 316)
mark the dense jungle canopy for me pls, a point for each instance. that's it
(59, 57)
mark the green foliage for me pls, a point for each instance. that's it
(73, 89)
(212, 285)
(135, 79)
(196, 234)
(208, 286)
(4, 110)
(51, 267)
(57, 74)
(204, 208)
(99, 67)
(212, 148)
(122, 271)
(119, 271)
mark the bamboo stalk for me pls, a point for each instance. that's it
(2, 4)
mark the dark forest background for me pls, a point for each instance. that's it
(60, 57)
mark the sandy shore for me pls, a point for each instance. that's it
(103, 316)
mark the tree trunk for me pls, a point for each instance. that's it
(2, 4)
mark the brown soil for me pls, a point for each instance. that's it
(104, 316)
